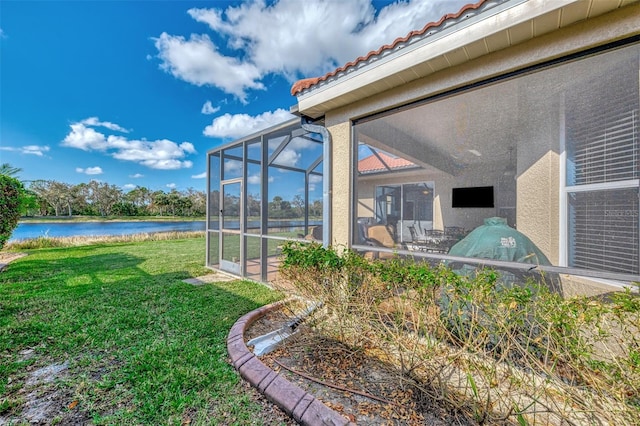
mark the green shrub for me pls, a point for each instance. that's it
(10, 195)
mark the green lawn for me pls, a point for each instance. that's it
(141, 346)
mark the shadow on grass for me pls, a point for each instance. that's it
(141, 345)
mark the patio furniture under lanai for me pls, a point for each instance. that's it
(381, 236)
(434, 240)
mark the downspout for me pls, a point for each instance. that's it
(326, 177)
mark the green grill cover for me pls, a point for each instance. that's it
(497, 240)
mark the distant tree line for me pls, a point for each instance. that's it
(54, 198)
(51, 197)
(278, 208)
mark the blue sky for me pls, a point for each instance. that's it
(136, 92)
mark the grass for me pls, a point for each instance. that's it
(142, 347)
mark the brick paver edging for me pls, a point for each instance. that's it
(299, 404)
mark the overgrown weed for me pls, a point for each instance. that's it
(500, 350)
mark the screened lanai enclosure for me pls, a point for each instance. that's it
(548, 154)
(263, 190)
(536, 168)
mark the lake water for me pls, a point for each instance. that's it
(71, 229)
(35, 230)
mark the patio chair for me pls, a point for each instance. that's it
(455, 232)
(315, 233)
(415, 236)
(418, 241)
(380, 236)
(436, 241)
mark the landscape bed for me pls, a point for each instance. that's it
(493, 349)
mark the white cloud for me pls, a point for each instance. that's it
(2, 33)
(232, 167)
(136, 176)
(291, 154)
(90, 170)
(159, 154)
(255, 179)
(129, 186)
(200, 176)
(313, 181)
(198, 62)
(94, 121)
(237, 125)
(36, 150)
(171, 185)
(291, 38)
(288, 157)
(207, 108)
(85, 138)
(301, 143)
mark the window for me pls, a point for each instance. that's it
(602, 171)
(402, 206)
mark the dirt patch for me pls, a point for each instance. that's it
(6, 258)
(43, 400)
(359, 386)
(46, 374)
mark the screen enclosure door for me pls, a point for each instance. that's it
(231, 226)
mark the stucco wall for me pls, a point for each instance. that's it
(341, 196)
(538, 205)
(538, 178)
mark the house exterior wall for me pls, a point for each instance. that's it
(538, 183)
(538, 196)
(538, 207)
(341, 157)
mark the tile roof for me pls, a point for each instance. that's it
(306, 83)
(382, 162)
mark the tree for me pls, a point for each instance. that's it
(253, 205)
(8, 170)
(80, 194)
(315, 209)
(103, 196)
(159, 201)
(214, 202)
(276, 204)
(198, 201)
(29, 203)
(125, 208)
(298, 203)
(28, 200)
(57, 194)
(141, 197)
(173, 201)
(11, 191)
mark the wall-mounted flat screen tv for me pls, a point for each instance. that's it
(475, 196)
